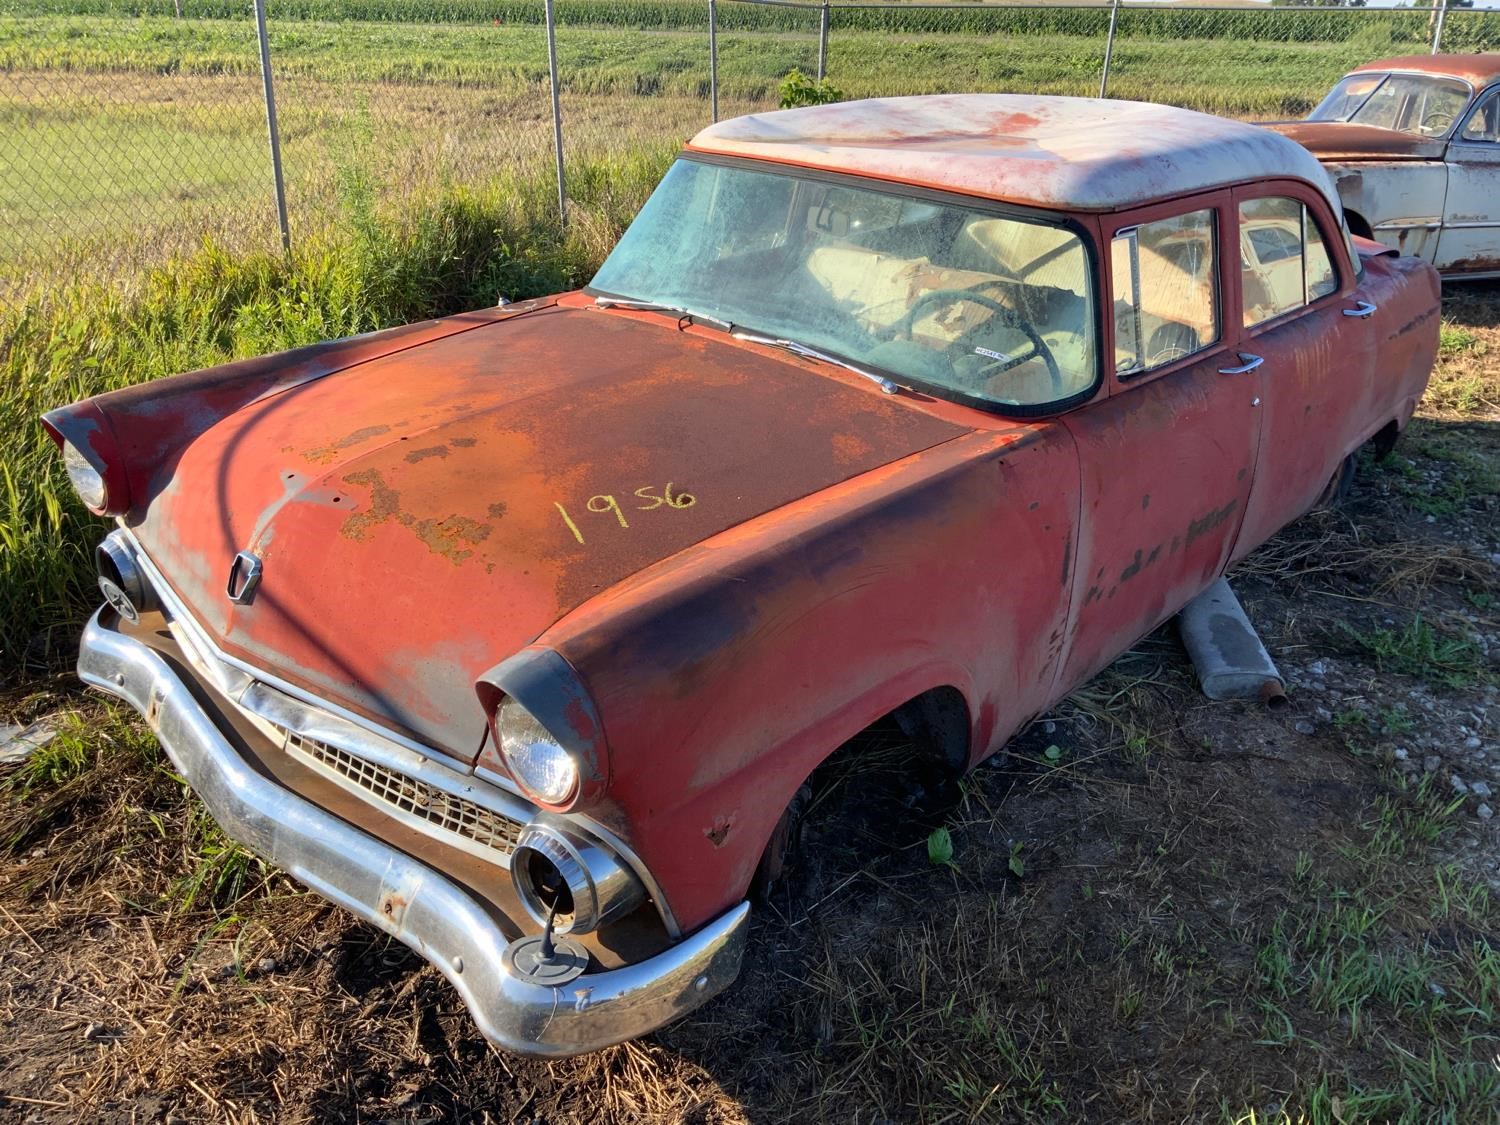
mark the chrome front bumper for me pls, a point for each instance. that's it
(411, 901)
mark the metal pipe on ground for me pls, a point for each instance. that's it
(1229, 658)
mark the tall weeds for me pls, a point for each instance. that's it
(449, 249)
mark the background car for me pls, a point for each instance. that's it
(1413, 145)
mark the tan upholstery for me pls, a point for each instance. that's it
(883, 287)
(1014, 247)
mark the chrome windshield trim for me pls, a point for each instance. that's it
(797, 348)
(630, 304)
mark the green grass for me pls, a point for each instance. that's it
(456, 248)
(77, 747)
(1468, 30)
(1420, 650)
(1212, 69)
(1396, 959)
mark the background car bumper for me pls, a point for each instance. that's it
(409, 900)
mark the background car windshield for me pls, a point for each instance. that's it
(959, 300)
(1408, 103)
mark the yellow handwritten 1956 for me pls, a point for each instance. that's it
(608, 504)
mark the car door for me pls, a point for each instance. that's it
(1296, 286)
(1167, 459)
(1470, 238)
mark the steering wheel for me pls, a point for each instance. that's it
(1438, 121)
(1039, 348)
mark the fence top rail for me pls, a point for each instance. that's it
(1097, 5)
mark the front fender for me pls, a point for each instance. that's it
(725, 676)
(1401, 200)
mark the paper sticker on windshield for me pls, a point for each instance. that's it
(988, 354)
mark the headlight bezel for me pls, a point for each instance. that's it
(87, 443)
(545, 686)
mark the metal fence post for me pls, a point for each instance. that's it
(713, 58)
(823, 42)
(1437, 31)
(1109, 47)
(271, 127)
(557, 146)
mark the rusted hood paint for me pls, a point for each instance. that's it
(424, 515)
(1337, 140)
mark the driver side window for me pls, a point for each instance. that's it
(1483, 125)
(1164, 275)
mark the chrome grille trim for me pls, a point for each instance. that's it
(471, 826)
(236, 681)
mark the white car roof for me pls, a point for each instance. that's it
(1085, 154)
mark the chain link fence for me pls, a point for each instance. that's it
(130, 133)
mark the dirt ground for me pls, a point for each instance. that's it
(1156, 908)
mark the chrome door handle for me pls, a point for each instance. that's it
(1364, 311)
(1248, 363)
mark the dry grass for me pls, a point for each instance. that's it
(1158, 909)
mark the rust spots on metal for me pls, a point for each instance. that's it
(422, 454)
(451, 536)
(1133, 569)
(850, 447)
(385, 504)
(1476, 69)
(330, 453)
(1210, 521)
(1342, 140)
(719, 832)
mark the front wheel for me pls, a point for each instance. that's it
(783, 854)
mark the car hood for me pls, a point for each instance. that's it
(423, 515)
(1338, 140)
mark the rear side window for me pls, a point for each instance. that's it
(1283, 261)
(1164, 276)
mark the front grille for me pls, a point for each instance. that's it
(441, 809)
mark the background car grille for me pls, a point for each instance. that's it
(418, 799)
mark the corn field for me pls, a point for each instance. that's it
(134, 131)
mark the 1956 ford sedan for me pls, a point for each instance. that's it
(518, 633)
(1413, 145)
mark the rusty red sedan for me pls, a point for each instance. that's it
(518, 633)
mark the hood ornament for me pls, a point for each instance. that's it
(244, 577)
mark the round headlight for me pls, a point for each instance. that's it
(86, 479)
(535, 759)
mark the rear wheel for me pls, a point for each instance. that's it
(1337, 491)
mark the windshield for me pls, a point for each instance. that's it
(1408, 103)
(959, 300)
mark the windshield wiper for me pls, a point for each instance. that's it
(657, 306)
(800, 349)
